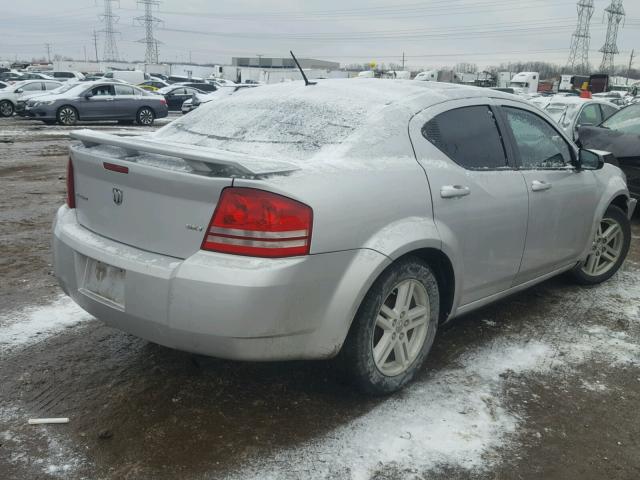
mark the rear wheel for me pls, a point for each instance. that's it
(6, 108)
(67, 115)
(145, 116)
(609, 249)
(394, 328)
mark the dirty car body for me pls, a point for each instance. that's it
(139, 250)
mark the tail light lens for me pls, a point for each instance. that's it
(71, 187)
(163, 101)
(256, 223)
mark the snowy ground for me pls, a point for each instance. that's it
(543, 385)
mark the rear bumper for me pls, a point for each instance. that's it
(222, 305)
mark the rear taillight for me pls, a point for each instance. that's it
(256, 223)
(71, 187)
(163, 101)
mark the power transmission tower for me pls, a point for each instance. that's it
(579, 52)
(48, 47)
(149, 21)
(616, 14)
(95, 44)
(633, 54)
(109, 19)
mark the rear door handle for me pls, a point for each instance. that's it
(454, 191)
(540, 186)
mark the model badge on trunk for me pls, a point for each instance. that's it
(117, 196)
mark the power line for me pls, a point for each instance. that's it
(109, 19)
(149, 22)
(616, 13)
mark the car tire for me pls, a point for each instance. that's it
(387, 343)
(608, 250)
(6, 108)
(145, 117)
(67, 115)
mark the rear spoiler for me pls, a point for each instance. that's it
(201, 159)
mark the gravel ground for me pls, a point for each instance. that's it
(545, 384)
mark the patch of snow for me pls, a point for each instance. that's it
(22, 327)
(459, 416)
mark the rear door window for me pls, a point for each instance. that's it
(124, 90)
(607, 110)
(32, 87)
(539, 144)
(469, 136)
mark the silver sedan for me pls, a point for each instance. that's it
(346, 218)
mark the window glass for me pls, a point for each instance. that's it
(102, 90)
(590, 115)
(469, 136)
(51, 85)
(539, 144)
(190, 91)
(124, 90)
(626, 120)
(607, 110)
(31, 87)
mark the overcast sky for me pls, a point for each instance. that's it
(431, 32)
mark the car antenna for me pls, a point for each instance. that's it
(306, 80)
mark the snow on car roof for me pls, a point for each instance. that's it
(294, 121)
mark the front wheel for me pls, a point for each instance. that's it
(145, 116)
(394, 328)
(6, 108)
(608, 251)
(67, 116)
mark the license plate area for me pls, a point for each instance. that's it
(104, 283)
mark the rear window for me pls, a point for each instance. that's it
(284, 124)
(469, 136)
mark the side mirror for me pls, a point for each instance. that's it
(591, 159)
(88, 95)
(19, 90)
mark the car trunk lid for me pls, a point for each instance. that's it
(156, 197)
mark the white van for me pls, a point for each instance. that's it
(134, 77)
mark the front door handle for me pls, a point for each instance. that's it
(454, 191)
(540, 186)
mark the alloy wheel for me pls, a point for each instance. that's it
(401, 328)
(145, 117)
(606, 248)
(6, 109)
(67, 116)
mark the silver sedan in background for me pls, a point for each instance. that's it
(98, 100)
(346, 218)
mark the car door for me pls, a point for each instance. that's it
(126, 105)
(176, 98)
(100, 105)
(479, 199)
(562, 199)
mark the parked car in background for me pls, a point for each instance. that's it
(153, 85)
(181, 78)
(3, 85)
(176, 95)
(35, 76)
(133, 77)
(364, 198)
(98, 101)
(198, 99)
(616, 97)
(21, 104)
(10, 77)
(202, 87)
(620, 135)
(64, 76)
(10, 96)
(572, 112)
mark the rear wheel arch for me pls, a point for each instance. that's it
(444, 273)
